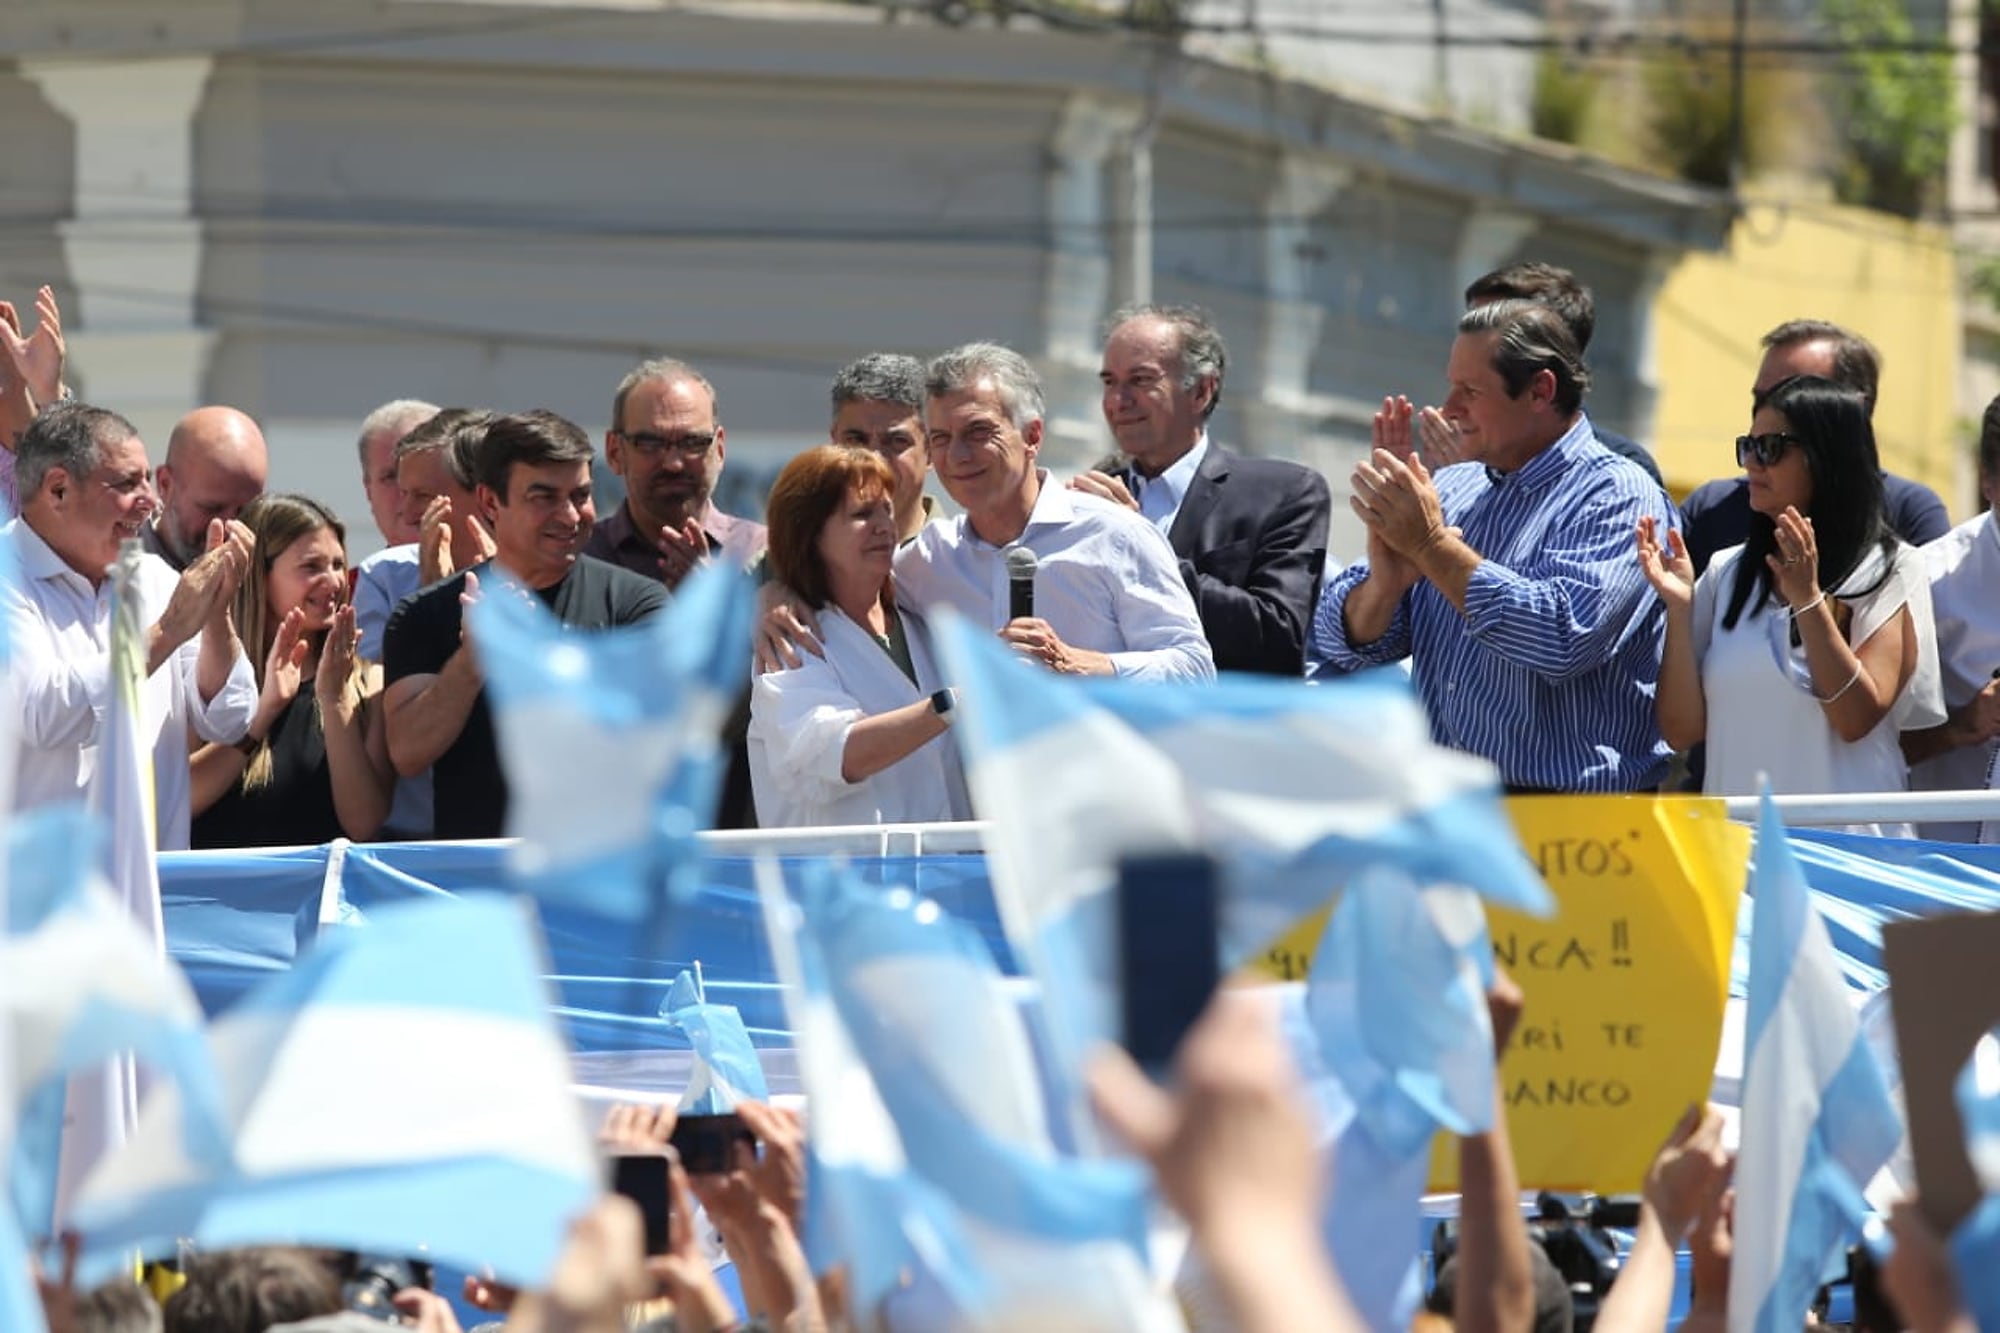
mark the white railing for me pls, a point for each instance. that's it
(919, 839)
(1874, 807)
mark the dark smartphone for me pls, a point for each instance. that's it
(1167, 956)
(643, 1179)
(705, 1142)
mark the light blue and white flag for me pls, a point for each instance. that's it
(103, 1100)
(865, 1207)
(80, 985)
(726, 1069)
(1293, 788)
(939, 1034)
(401, 1090)
(612, 740)
(1818, 1119)
(20, 1307)
(1975, 1245)
(1397, 1045)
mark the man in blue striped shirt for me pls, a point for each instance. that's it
(1509, 581)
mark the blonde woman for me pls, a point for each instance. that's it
(315, 765)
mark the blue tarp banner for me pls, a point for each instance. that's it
(233, 917)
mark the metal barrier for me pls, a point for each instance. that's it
(970, 836)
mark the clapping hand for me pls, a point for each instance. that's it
(682, 551)
(1795, 564)
(35, 362)
(1668, 567)
(1440, 443)
(337, 654)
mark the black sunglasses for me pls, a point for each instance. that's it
(1766, 449)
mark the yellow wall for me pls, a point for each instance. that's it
(1892, 281)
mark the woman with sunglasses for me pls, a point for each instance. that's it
(1804, 653)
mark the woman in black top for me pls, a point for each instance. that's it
(315, 765)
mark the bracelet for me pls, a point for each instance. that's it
(1843, 689)
(1796, 612)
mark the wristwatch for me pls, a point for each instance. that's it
(945, 704)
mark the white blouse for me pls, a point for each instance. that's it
(1763, 721)
(799, 720)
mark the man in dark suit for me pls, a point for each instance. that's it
(1250, 532)
(1717, 514)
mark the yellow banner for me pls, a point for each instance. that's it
(1625, 985)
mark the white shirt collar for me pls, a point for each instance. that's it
(1160, 497)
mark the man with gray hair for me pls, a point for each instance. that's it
(878, 403)
(85, 490)
(380, 431)
(1109, 599)
(1249, 533)
(1510, 584)
(667, 444)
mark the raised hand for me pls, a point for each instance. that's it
(779, 1175)
(1390, 430)
(434, 542)
(1689, 1174)
(46, 350)
(1667, 567)
(336, 658)
(204, 591)
(1795, 564)
(682, 551)
(1394, 496)
(1439, 442)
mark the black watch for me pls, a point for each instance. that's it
(945, 704)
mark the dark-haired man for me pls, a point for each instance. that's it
(1249, 533)
(1716, 515)
(878, 403)
(533, 490)
(1560, 291)
(1512, 587)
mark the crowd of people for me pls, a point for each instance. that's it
(1814, 619)
(1559, 614)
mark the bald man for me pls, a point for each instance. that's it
(216, 464)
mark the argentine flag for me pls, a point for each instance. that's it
(612, 740)
(1294, 788)
(726, 1067)
(1818, 1119)
(104, 1099)
(1397, 1045)
(937, 1033)
(403, 1090)
(81, 984)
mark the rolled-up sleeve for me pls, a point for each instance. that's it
(1156, 615)
(1572, 607)
(803, 717)
(225, 718)
(1329, 652)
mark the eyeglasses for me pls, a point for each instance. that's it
(650, 445)
(1766, 449)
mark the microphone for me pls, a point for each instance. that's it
(1021, 566)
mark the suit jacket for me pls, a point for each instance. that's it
(1251, 537)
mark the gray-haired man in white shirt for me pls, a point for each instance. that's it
(86, 487)
(1109, 598)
